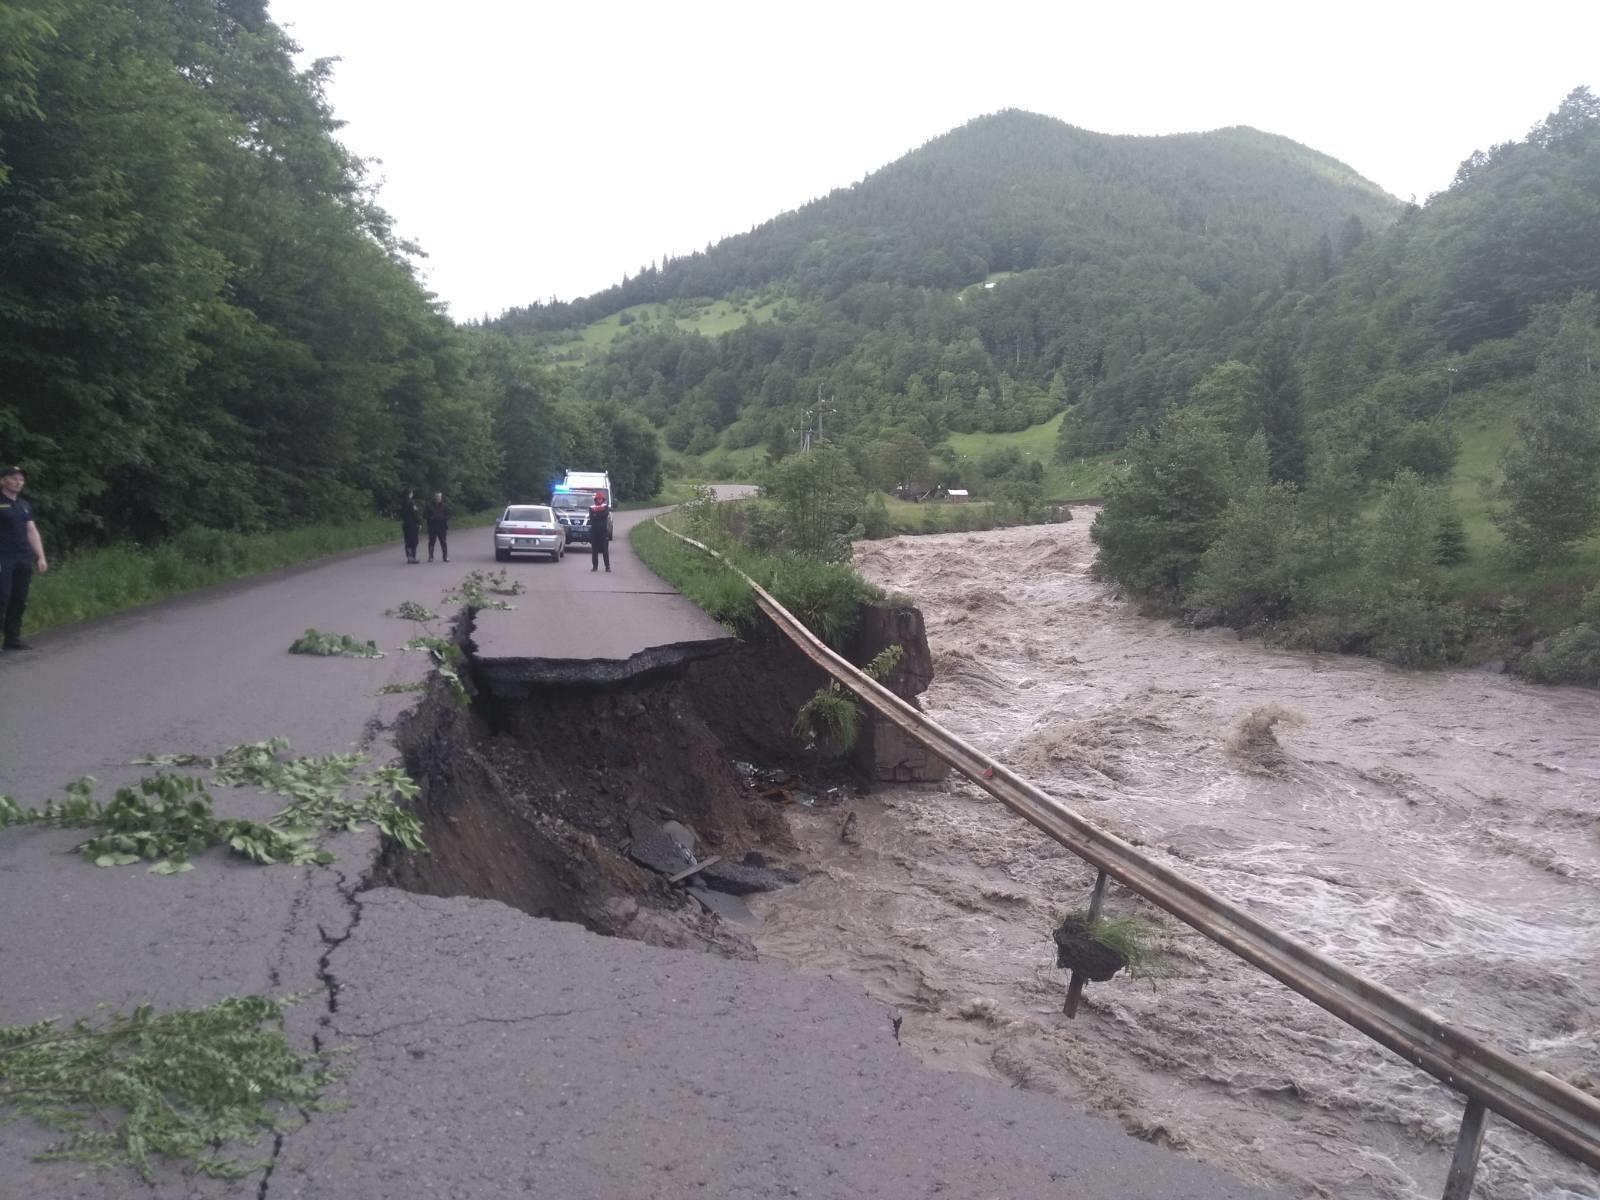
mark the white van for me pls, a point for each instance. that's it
(589, 481)
(572, 497)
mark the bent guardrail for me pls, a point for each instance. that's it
(1549, 1108)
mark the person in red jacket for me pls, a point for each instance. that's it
(599, 532)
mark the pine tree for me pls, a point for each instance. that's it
(1553, 477)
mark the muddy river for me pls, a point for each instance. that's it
(1438, 832)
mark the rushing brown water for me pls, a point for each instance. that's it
(1438, 832)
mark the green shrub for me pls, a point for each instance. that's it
(1571, 656)
(828, 597)
(1249, 572)
(1450, 543)
(1411, 627)
(209, 547)
(1162, 513)
(829, 723)
(875, 523)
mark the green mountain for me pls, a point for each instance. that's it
(1374, 425)
(1015, 191)
(1101, 250)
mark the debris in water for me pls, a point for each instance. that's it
(740, 879)
(729, 908)
(655, 848)
(1077, 949)
(984, 1010)
(1253, 743)
(849, 831)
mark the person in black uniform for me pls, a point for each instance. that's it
(21, 554)
(599, 532)
(410, 523)
(437, 514)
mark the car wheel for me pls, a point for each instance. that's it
(502, 556)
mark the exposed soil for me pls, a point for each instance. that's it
(530, 802)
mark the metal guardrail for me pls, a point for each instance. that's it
(1547, 1107)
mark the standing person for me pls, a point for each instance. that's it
(437, 514)
(21, 553)
(599, 532)
(410, 523)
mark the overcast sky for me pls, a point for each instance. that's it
(544, 149)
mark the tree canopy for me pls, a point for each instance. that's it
(207, 320)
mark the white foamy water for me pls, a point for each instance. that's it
(1438, 832)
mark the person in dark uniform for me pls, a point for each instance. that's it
(437, 514)
(410, 523)
(599, 532)
(21, 554)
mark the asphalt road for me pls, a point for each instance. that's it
(493, 1055)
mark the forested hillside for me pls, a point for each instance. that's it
(1288, 360)
(206, 320)
(1102, 250)
(1015, 191)
(1308, 485)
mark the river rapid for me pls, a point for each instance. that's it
(1438, 832)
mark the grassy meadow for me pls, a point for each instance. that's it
(1552, 594)
(707, 317)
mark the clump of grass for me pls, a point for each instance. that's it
(1254, 744)
(167, 819)
(1130, 937)
(723, 595)
(321, 642)
(829, 723)
(885, 661)
(179, 1085)
(410, 610)
(479, 589)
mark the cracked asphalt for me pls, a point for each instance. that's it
(491, 1054)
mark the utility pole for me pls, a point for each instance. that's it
(823, 406)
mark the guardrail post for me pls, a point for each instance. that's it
(1075, 982)
(1464, 1166)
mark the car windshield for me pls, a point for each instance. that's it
(572, 499)
(531, 513)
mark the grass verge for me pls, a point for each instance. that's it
(97, 583)
(827, 597)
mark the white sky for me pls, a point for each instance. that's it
(543, 149)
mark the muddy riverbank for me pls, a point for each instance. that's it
(1438, 832)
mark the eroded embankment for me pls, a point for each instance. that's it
(533, 794)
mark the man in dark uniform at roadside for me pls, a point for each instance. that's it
(437, 514)
(410, 523)
(21, 553)
(599, 532)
